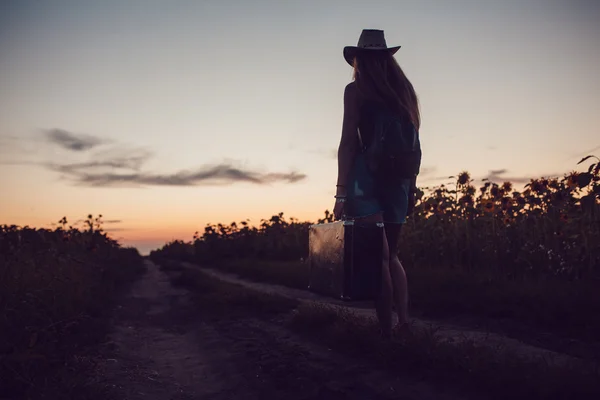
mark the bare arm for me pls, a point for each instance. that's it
(349, 141)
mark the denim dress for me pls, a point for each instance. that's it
(368, 195)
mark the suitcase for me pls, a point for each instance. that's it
(345, 259)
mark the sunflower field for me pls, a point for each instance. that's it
(549, 228)
(56, 288)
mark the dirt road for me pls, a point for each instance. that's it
(444, 330)
(162, 347)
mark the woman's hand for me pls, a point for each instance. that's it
(412, 196)
(412, 200)
(338, 208)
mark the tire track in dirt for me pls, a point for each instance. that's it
(447, 332)
(162, 348)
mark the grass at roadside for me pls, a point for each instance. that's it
(57, 291)
(221, 300)
(562, 308)
(291, 274)
(495, 372)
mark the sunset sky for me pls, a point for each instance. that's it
(165, 115)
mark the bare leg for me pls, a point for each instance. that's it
(400, 289)
(383, 302)
(397, 274)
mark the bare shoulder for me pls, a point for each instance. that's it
(351, 97)
(351, 90)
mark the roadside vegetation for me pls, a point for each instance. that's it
(461, 366)
(529, 257)
(57, 289)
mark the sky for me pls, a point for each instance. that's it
(164, 116)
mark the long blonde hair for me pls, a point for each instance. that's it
(378, 76)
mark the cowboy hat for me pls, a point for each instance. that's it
(369, 40)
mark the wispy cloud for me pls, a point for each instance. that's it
(112, 230)
(118, 166)
(111, 168)
(105, 160)
(427, 174)
(494, 175)
(222, 174)
(499, 175)
(72, 141)
(426, 171)
(99, 161)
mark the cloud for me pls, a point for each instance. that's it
(494, 175)
(222, 174)
(123, 167)
(497, 176)
(111, 230)
(73, 141)
(427, 174)
(427, 171)
(100, 161)
(105, 160)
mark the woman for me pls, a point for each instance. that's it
(378, 83)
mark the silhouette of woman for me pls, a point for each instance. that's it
(378, 82)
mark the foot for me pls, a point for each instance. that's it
(402, 330)
(385, 334)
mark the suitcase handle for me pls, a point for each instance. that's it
(350, 222)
